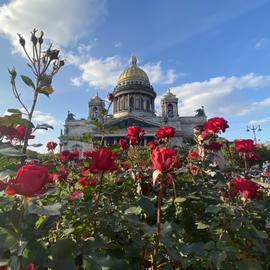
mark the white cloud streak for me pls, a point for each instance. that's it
(263, 121)
(103, 72)
(217, 95)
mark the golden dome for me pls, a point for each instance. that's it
(133, 73)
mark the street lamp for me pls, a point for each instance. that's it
(254, 129)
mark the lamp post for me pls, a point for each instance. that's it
(254, 129)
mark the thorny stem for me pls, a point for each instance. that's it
(174, 191)
(99, 189)
(156, 244)
(104, 119)
(17, 95)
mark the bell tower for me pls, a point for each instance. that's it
(96, 106)
(169, 105)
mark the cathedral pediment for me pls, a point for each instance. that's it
(129, 120)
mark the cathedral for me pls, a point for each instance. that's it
(133, 104)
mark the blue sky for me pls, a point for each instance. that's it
(211, 53)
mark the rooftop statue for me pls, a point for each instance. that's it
(70, 116)
(200, 112)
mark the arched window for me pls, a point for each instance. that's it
(170, 110)
(95, 112)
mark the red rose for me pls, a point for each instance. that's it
(193, 169)
(85, 179)
(193, 155)
(244, 145)
(74, 155)
(8, 132)
(87, 154)
(245, 187)
(51, 145)
(103, 160)
(4, 267)
(110, 96)
(123, 144)
(216, 125)
(163, 159)
(252, 155)
(30, 181)
(30, 266)
(73, 196)
(20, 132)
(214, 146)
(64, 156)
(152, 145)
(63, 174)
(165, 132)
(134, 133)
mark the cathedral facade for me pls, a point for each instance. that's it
(133, 104)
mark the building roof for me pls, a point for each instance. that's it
(96, 100)
(133, 73)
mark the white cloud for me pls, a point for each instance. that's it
(254, 106)
(217, 95)
(63, 21)
(264, 121)
(158, 75)
(45, 118)
(99, 72)
(118, 44)
(262, 43)
(103, 72)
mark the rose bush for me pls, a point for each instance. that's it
(104, 210)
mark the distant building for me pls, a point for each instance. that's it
(133, 104)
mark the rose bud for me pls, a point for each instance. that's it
(110, 96)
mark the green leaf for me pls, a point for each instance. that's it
(218, 258)
(249, 265)
(28, 81)
(147, 206)
(16, 111)
(6, 174)
(15, 119)
(7, 150)
(7, 240)
(44, 126)
(62, 255)
(212, 209)
(36, 145)
(62, 249)
(202, 226)
(46, 90)
(48, 210)
(180, 199)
